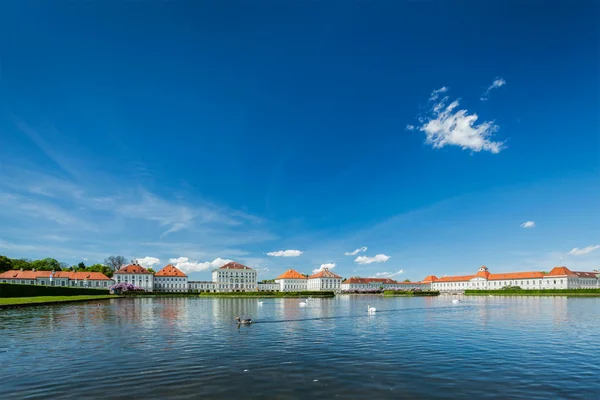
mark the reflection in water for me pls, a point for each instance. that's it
(411, 348)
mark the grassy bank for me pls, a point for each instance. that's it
(12, 302)
(406, 293)
(536, 292)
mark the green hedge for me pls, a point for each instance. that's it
(15, 290)
(411, 293)
(533, 292)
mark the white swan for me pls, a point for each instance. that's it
(456, 301)
(302, 304)
(371, 310)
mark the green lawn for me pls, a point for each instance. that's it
(12, 301)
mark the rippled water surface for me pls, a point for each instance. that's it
(413, 348)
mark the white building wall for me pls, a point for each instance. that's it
(229, 280)
(171, 283)
(292, 285)
(145, 281)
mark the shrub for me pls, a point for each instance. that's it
(125, 288)
(17, 290)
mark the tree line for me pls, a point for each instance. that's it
(111, 264)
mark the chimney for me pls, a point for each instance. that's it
(33, 269)
(21, 269)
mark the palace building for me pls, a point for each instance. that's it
(93, 280)
(137, 275)
(235, 277)
(170, 279)
(557, 278)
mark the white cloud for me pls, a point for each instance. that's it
(148, 262)
(528, 224)
(323, 266)
(285, 253)
(369, 260)
(355, 252)
(184, 264)
(436, 93)
(388, 274)
(579, 252)
(498, 82)
(447, 126)
(410, 127)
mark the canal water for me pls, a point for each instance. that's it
(412, 348)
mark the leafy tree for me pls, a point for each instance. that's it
(407, 280)
(115, 262)
(47, 264)
(64, 266)
(151, 270)
(81, 265)
(104, 269)
(6, 264)
(21, 263)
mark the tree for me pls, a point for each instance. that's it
(6, 264)
(21, 263)
(47, 264)
(81, 265)
(64, 266)
(115, 262)
(104, 269)
(150, 270)
(407, 280)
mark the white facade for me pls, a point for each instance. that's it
(90, 280)
(292, 285)
(202, 286)
(324, 280)
(170, 283)
(235, 277)
(135, 275)
(558, 278)
(269, 287)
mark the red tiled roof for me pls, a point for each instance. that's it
(516, 275)
(16, 274)
(291, 274)
(561, 271)
(325, 273)
(234, 265)
(586, 274)
(133, 269)
(429, 279)
(170, 270)
(455, 278)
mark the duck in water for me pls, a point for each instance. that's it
(243, 321)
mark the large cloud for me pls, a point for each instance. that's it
(184, 264)
(355, 252)
(148, 262)
(379, 258)
(446, 125)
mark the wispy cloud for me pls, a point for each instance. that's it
(388, 274)
(355, 252)
(379, 258)
(185, 265)
(446, 125)
(579, 252)
(148, 262)
(324, 266)
(285, 253)
(528, 224)
(498, 82)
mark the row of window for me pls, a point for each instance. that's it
(58, 283)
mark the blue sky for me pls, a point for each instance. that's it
(427, 132)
